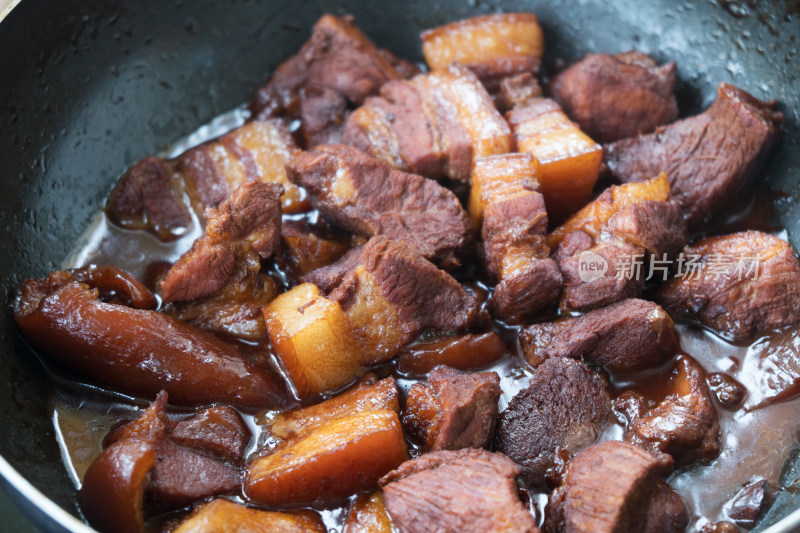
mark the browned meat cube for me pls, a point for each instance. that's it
(329, 277)
(306, 247)
(491, 46)
(516, 91)
(569, 161)
(338, 57)
(367, 514)
(513, 221)
(666, 512)
(218, 284)
(469, 351)
(223, 516)
(451, 410)
(619, 96)
(710, 159)
(598, 272)
(148, 197)
(182, 476)
(628, 336)
(334, 460)
(750, 503)
(387, 298)
(322, 115)
(684, 424)
(366, 196)
(464, 491)
(366, 396)
(608, 488)
(393, 295)
(737, 285)
(434, 125)
(565, 407)
(218, 430)
(607, 250)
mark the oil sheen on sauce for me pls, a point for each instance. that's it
(754, 441)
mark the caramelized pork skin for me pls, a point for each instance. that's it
(469, 351)
(613, 97)
(149, 196)
(466, 491)
(608, 488)
(711, 158)
(358, 193)
(737, 285)
(629, 336)
(563, 410)
(137, 351)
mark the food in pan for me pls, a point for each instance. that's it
(448, 297)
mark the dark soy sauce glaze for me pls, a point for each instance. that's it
(753, 442)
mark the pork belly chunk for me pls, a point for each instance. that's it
(218, 284)
(569, 160)
(505, 204)
(491, 46)
(434, 125)
(613, 97)
(608, 487)
(465, 491)
(385, 297)
(564, 409)
(336, 70)
(628, 336)
(451, 410)
(609, 248)
(150, 195)
(684, 424)
(710, 158)
(736, 285)
(361, 194)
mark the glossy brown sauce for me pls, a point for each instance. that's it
(753, 441)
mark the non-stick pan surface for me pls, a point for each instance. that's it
(88, 87)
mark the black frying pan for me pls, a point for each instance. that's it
(88, 87)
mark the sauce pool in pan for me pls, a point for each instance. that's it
(756, 436)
